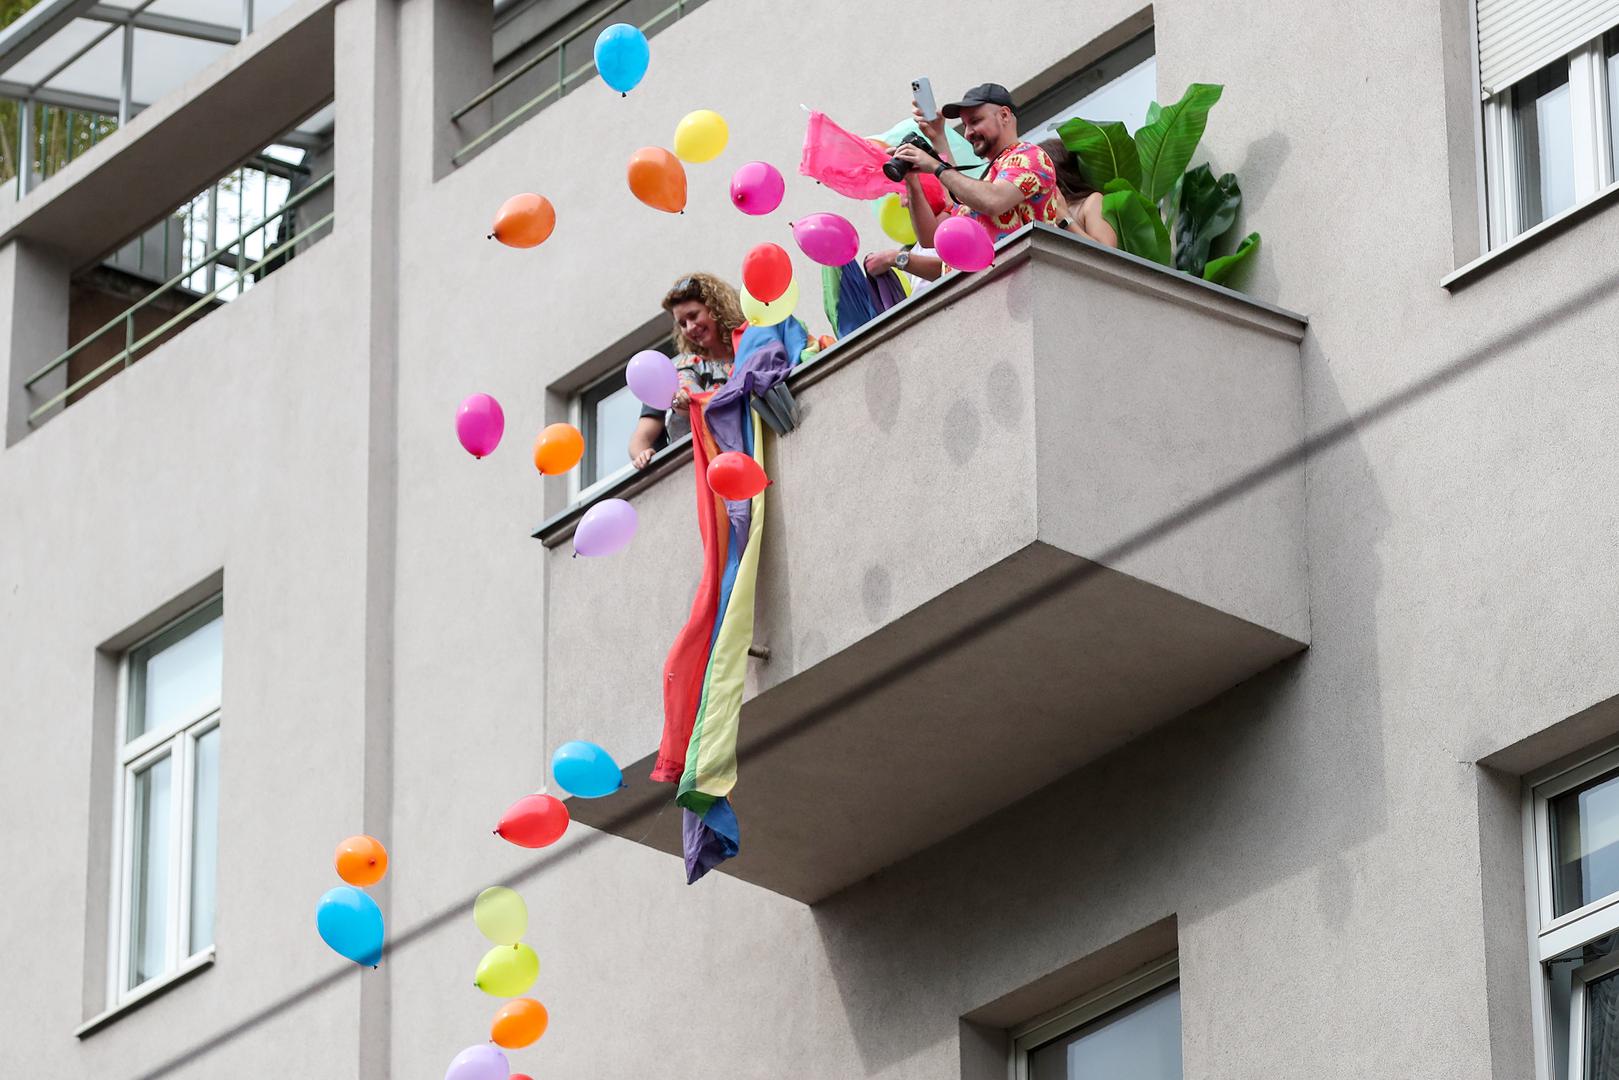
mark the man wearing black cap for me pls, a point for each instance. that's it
(1016, 188)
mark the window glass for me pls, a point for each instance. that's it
(1585, 844)
(1602, 1027)
(1141, 1041)
(176, 677)
(149, 871)
(1120, 86)
(1545, 124)
(204, 840)
(610, 415)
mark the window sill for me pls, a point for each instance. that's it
(156, 988)
(1529, 239)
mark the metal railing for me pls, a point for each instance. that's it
(558, 51)
(126, 318)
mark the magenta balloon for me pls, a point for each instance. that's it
(479, 425)
(962, 243)
(757, 188)
(652, 378)
(827, 238)
(606, 529)
(482, 1062)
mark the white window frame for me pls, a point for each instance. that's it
(1088, 1009)
(1593, 155)
(179, 739)
(1551, 935)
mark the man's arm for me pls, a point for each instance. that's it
(647, 430)
(923, 220)
(992, 197)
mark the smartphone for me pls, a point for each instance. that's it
(922, 92)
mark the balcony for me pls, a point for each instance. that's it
(1029, 516)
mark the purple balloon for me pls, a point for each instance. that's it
(480, 424)
(652, 378)
(606, 529)
(757, 188)
(827, 238)
(963, 243)
(482, 1062)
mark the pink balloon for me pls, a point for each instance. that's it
(606, 529)
(479, 425)
(827, 238)
(757, 188)
(963, 243)
(481, 1062)
(651, 376)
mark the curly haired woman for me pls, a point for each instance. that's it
(707, 313)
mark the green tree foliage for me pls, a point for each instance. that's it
(60, 135)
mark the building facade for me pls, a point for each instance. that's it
(1155, 680)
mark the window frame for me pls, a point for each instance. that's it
(1088, 1009)
(176, 740)
(1593, 152)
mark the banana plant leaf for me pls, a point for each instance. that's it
(1136, 220)
(1205, 209)
(1166, 145)
(1106, 150)
(1219, 269)
(1154, 111)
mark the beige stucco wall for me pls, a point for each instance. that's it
(1316, 833)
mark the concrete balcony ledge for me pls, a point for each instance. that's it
(1028, 517)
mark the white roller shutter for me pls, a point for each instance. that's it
(1518, 37)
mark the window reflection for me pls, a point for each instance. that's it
(1540, 106)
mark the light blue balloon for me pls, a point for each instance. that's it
(622, 55)
(351, 923)
(586, 770)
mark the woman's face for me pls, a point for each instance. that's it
(694, 321)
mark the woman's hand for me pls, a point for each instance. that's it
(682, 401)
(879, 261)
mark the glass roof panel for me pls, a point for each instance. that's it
(218, 12)
(265, 10)
(97, 72)
(53, 50)
(164, 62)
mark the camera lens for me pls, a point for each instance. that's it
(895, 169)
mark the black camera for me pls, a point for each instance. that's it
(895, 169)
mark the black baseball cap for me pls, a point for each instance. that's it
(986, 94)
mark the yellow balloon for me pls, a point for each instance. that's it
(507, 970)
(895, 219)
(501, 915)
(701, 136)
(774, 312)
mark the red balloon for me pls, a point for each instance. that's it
(766, 272)
(519, 1076)
(534, 821)
(736, 476)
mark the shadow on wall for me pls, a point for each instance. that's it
(1280, 776)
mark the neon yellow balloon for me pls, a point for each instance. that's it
(507, 970)
(895, 219)
(701, 136)
(501, 915)
(774, 312)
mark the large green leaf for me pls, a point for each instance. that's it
(1106, 150)
(1205, 210)
(1166, 145)
(1137, 221)
(1154, 110)
(1219, 269)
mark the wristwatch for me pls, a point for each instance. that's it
(903, 259)
(943, 167)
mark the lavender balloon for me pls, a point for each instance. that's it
(482, 1062)
(479, 425)
(652, 378)
(827, 238)
(606, 529)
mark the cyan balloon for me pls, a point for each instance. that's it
(622, 55)
(586, 770)
(351, 923)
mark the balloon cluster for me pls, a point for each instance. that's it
(349, 920)
(507, 970)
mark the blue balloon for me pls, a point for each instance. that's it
(586, 770)
(622, 55)
(351, 923)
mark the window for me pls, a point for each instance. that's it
(1550, 83)
(1119, 86)
(1574, 905)
(605, 412)
(1131, 1028)
(167, 828)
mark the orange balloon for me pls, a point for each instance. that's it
(519, 1023)
(361, 860)
(558, 449)
(658, 179)
(524, 221)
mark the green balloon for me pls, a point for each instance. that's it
(501, 915)
(507, 970)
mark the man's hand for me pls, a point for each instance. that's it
(879, 261)
(640, 460)
(916, 156)
(933, 129)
